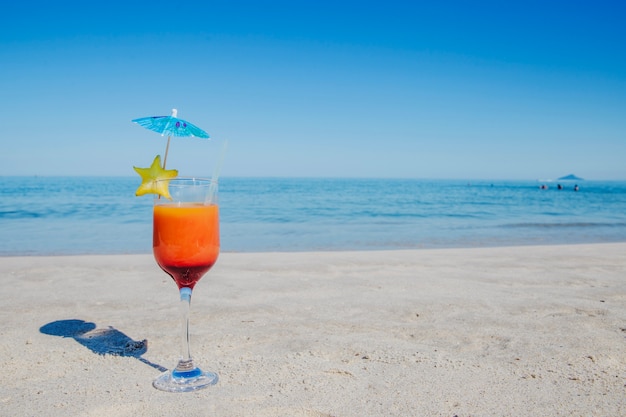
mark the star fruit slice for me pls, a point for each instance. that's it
(155, 180)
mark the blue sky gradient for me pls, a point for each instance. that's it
(450, 89)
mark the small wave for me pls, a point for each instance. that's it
(19, 214)
(563, 225)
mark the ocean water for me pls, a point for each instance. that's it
(101, 215)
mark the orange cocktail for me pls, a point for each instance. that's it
(186, 240)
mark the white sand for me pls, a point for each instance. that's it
(527, 331)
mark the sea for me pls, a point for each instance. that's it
(101, 215)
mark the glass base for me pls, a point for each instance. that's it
(177, 381)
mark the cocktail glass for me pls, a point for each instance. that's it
(186, 244)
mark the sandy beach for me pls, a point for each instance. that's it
(510, 331)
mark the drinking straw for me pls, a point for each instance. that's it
(216, 171)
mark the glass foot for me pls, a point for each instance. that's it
(177, 381)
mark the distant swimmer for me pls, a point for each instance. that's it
(544, 187)
(576, 187)
(560, 187)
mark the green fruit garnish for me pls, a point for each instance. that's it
(155, 180)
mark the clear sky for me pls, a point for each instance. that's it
(437, 89)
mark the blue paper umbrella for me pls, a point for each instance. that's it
(171, 126)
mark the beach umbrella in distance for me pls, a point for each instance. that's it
(171, 126)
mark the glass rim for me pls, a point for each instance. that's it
(178, 181)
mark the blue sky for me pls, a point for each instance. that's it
(449, 89)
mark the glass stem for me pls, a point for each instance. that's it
(186, 362)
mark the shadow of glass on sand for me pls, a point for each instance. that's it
(103, 341)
